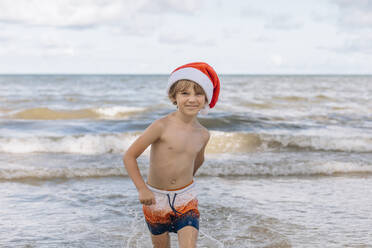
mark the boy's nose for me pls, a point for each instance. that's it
(192, 98)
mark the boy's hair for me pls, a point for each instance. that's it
(182, 85)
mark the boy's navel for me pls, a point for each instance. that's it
(173, 181)
(170, 148)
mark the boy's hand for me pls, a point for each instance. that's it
(146, 196)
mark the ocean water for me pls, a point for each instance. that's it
(289, 163)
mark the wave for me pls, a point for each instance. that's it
(239, 142)
(293, 98)
(76, 144)
(259, 105)
(223, 142)
(118, 111)
(317, 142)
(225, 168)
(4, 111)
(290, 98)
(230, 121)
(53, 173)
(213, 168)
(220, 142)
(115, 112)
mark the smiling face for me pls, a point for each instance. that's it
(188, 96)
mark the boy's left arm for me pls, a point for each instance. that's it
(200, 156)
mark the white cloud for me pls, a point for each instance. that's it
(177, 37)
(185, 40)
(205, 42)
(188, 7)
(63, 13)
(251, 12)
(126, 36)
(137, 18)
(139, 26)
(88, 13)
(361, 44)
(263, 39)
(54, 46)
(354, 14)
(4, 38)
(282, 21)
(174, 38)
(121, 16)
(231, 32)
(276, 59)
(125, 16)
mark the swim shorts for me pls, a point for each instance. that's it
(172, 210)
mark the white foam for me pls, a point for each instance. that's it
(49, 173)
(320, 141)
(220, 143)
(346, 140)
(117, 111)
(232, 142)
(221, 167)
(230, 166)
(82, 144)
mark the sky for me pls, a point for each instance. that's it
(156, 36)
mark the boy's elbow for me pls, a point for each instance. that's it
(126, 158)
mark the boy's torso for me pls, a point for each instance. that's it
(173, 156)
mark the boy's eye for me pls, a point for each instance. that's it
(184, 93)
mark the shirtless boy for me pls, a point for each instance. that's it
(178, 143)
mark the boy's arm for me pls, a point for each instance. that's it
(149, 136)
(200, 156)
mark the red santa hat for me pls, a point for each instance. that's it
(202, 74)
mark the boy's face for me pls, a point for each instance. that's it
(189, 102)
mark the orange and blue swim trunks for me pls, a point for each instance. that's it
(173, 210)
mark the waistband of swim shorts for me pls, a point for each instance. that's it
(178, 191)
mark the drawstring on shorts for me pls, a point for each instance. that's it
(172, 205)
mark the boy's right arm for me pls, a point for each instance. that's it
(149, 136)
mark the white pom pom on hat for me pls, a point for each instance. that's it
(202, 74)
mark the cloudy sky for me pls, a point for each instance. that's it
(155, 36)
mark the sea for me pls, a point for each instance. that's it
(289, 162)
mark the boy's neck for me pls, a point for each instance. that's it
(186, 119)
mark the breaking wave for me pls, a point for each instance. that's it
(220, 142)
(116, 112)
(77, 144)
(52, 173)
(214, 168)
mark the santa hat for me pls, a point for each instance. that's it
(202, 74)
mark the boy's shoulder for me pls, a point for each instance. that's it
(205, 132)
(161, 123)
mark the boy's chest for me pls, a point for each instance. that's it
(180, 141)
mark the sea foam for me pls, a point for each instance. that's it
(77, 144)
(211, 168)
(220, 142)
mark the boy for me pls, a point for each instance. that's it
(177, 142)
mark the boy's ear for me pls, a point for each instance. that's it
(173, 100)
